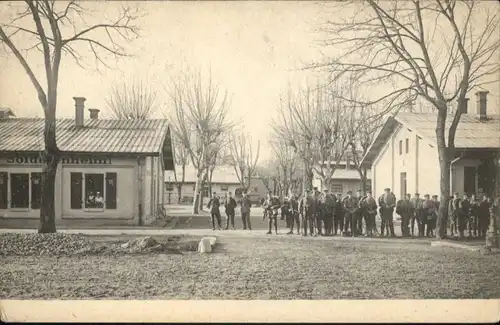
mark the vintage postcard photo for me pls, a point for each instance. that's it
(299, 161)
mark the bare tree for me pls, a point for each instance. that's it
(436, 51)
(135, 100)
(285, 161)
(200, 116)
(319, 125)
(56, 27)
(244, 158)
(181, 158)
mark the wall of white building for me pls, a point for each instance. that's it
(135, 183)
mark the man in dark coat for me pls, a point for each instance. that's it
(370, 209)
(404, 208)
(416, 202)
(317, 214)
(214, 205)
(463, 215)
(338, 217)
(294, 214)
(245, 204)
(349, 204)
(306, 210)
(484, 216)
(359, 213)
(328, 206)
(427, 206)
(387, 203)
(230, 205)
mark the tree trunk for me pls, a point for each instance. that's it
(445, 167)
(197, 191)
(179, 193)
(49, 170)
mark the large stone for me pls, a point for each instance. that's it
(205, 245)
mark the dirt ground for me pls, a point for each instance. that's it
(253, 268)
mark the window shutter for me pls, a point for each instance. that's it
(111, 179)
(76, 191)
(3, 190)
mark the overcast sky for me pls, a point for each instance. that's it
(253, 49)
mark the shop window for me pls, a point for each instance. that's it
(3, 190)
(36, 190)
(94, 191)
(111, 190)
(19, 189)
(76, 190)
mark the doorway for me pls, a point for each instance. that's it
(470, 180)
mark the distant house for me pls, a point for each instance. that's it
(404, 154)
(345, 178)
(110, 172)
(224, 180)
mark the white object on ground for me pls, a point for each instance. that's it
(205, 245)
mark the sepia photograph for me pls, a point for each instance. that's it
(304, 161)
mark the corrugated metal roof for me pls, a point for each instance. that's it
(99, 135)
(471, 132)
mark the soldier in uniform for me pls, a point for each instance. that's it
(387, 202)
(473, 215)
(453, 211)
(285, 212)
(273, 208)
(213, 205)
(306, 210)
(266, 206)
(484, 216)
(404, 208)
(294, 214)
(433, 217)
(349, 204)
(317, 211)
(338, 215)
(424, 216)
(328, 206)
(245, 211)
(463, 215)
(230, 205)
(416, 202)
(359, 213)
(370, 209)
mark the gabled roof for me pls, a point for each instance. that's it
(99, 135)
(5, 111)
(471, 132)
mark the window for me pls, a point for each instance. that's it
(402, 179)
(94, 191)
(20, 190)
(36, 190)
(224, 188)
(205, 191)
(400, 147)
(337, 188)
(407, 145)
(255, 189)
(4, 178)
(100, 191)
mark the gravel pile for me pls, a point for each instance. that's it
(68, 244)
(44, 244)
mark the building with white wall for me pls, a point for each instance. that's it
(224, 180)
(345, 178)
(111, 171)
(404, 154)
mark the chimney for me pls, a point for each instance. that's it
(481, 105)
(465, 108)
(94, 113)
(79, 107)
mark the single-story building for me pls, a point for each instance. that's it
(404, 154)
(345, 178)
(111, 171)
(224, 180)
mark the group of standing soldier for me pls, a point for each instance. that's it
(322, 213)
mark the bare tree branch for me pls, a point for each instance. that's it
(135, 101)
